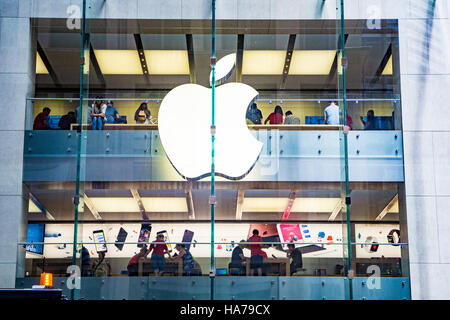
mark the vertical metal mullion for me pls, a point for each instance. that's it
(213, 124)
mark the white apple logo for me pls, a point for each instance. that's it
(184, 123)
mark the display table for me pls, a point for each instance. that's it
(285, 261)
(145, 265)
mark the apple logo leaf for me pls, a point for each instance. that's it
(224, 69)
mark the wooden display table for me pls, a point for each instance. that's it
(145, 264)
(286, 261)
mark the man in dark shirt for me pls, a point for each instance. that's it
(237, 265)
(296, 255)
(370, 123)
(40, 122)
(85, 262)
(67, 120)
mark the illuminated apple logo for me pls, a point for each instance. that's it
(184, 123)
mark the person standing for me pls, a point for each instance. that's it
(142, 114)
(85, 262)
(159, 248)
(102, 268)
(257, 254)
(40, 122)
(331, 114)
(276, 117)
(290, 118)
(254, 114)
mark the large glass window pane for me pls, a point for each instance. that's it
(306, 176)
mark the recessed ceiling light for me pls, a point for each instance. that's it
(312, 62)
(167, 61)
(118, 61)
(388, 71)
(40, 66)
(165, 204)
(32, 208)
(263, 62)
(319, 205)
(151, 204)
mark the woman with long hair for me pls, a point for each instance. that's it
(142, 114)
(96, 114)
(276, 117)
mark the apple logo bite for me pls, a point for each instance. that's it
(184, 123)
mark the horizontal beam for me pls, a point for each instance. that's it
(221, 185)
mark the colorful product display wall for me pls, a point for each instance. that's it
(316, 240)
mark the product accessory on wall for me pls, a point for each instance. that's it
(394, 237)
(371, 245)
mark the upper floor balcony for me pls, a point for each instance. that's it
(309, 153)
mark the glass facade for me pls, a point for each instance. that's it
(267, 154)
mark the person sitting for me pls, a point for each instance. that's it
(185, 255)
(66, 120)
(40, 122)
(111, 113)
(370, 123)
(133, 264)
(237, 264)
(296, 255)
(254, 115)
(257, 254)
(96, 114)
(276, 117)
(142, 114)
(290, 118)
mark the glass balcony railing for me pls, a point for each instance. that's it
(322, 275)
(373, 155)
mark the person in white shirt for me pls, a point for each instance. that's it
(331, 114)
(96, 114)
